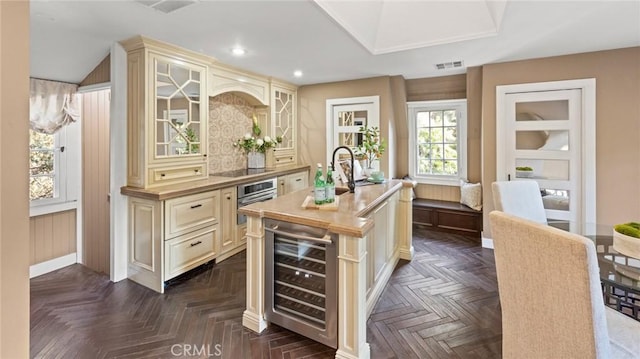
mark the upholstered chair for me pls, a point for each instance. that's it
(550, 295)
(520, 198)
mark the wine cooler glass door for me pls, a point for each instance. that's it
(301, 280)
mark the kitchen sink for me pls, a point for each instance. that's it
(342, 190)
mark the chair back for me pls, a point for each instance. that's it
(550, 292)
(520, 198)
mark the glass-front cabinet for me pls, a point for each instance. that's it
(167, 114)
(178, 122)
(283, 121)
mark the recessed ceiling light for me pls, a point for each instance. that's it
(297, 73)
(238, 51)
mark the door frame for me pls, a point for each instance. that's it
(331, 104)
(588, 135)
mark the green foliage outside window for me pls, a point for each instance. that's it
(41, 165)
(437, 142)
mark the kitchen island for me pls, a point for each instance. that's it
(372, 228)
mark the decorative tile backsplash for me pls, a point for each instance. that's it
(229, 119)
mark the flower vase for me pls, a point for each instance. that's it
(255, 160)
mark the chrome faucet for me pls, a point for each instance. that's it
(352, 182)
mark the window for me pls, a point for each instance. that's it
(54, 146)
(437, 141)
(47, 167)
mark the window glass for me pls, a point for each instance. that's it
(41, 165)
(438, 140)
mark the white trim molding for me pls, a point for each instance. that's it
(460, 106)
(52, 264)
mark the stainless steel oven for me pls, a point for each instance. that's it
(255, 192)
(301, 280)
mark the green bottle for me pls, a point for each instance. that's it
(319, 194)
(330, 188)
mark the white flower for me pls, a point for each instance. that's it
(259, 142)
(247, 136)
(267, 139)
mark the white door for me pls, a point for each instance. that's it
(543, 136)
(345, 117)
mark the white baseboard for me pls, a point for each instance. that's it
(487, 242)
(51, 265)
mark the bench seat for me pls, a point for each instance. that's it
(447, 216)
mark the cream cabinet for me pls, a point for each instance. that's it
(231, 239)
(293, 182)
(168, 238)
(283, 122)
(167, 112)
(224, 78)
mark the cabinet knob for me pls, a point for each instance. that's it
(228, 197)
(162, 175)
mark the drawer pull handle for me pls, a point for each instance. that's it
(299, 179)
(196, 206)
(195, 244)
(162, 175)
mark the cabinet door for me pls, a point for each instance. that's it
(179, 109)
(283, 123)
(228, 211)
(295, 182)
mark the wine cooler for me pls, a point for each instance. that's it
(301, 280)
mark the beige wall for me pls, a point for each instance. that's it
(312, 127)
(14, 168)
(394, 93)
(617, 74)
(52, 236)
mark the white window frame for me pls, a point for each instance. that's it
(419, 106)
(66, 173)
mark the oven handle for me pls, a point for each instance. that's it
(326, 239)
(249, 200)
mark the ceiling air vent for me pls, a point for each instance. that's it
(166, 6)
(449, 65)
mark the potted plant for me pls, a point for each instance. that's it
(524, 171)
(626, 239)
(371, 148)
(255, 147)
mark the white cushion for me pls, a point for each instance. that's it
(624, 335)
(519, 198)
(471, 195)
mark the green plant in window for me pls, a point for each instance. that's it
(372, 146)
(191, 138)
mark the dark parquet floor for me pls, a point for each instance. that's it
(443, 304)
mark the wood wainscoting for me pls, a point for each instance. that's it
(95, 180)
(52, 236)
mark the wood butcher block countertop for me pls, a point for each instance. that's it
(211, 183)
(349, 219)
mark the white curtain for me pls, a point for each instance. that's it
(53, 105)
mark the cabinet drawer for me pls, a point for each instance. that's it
(189, 251)
(185, 214)
(284, 157)
(160, 176)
